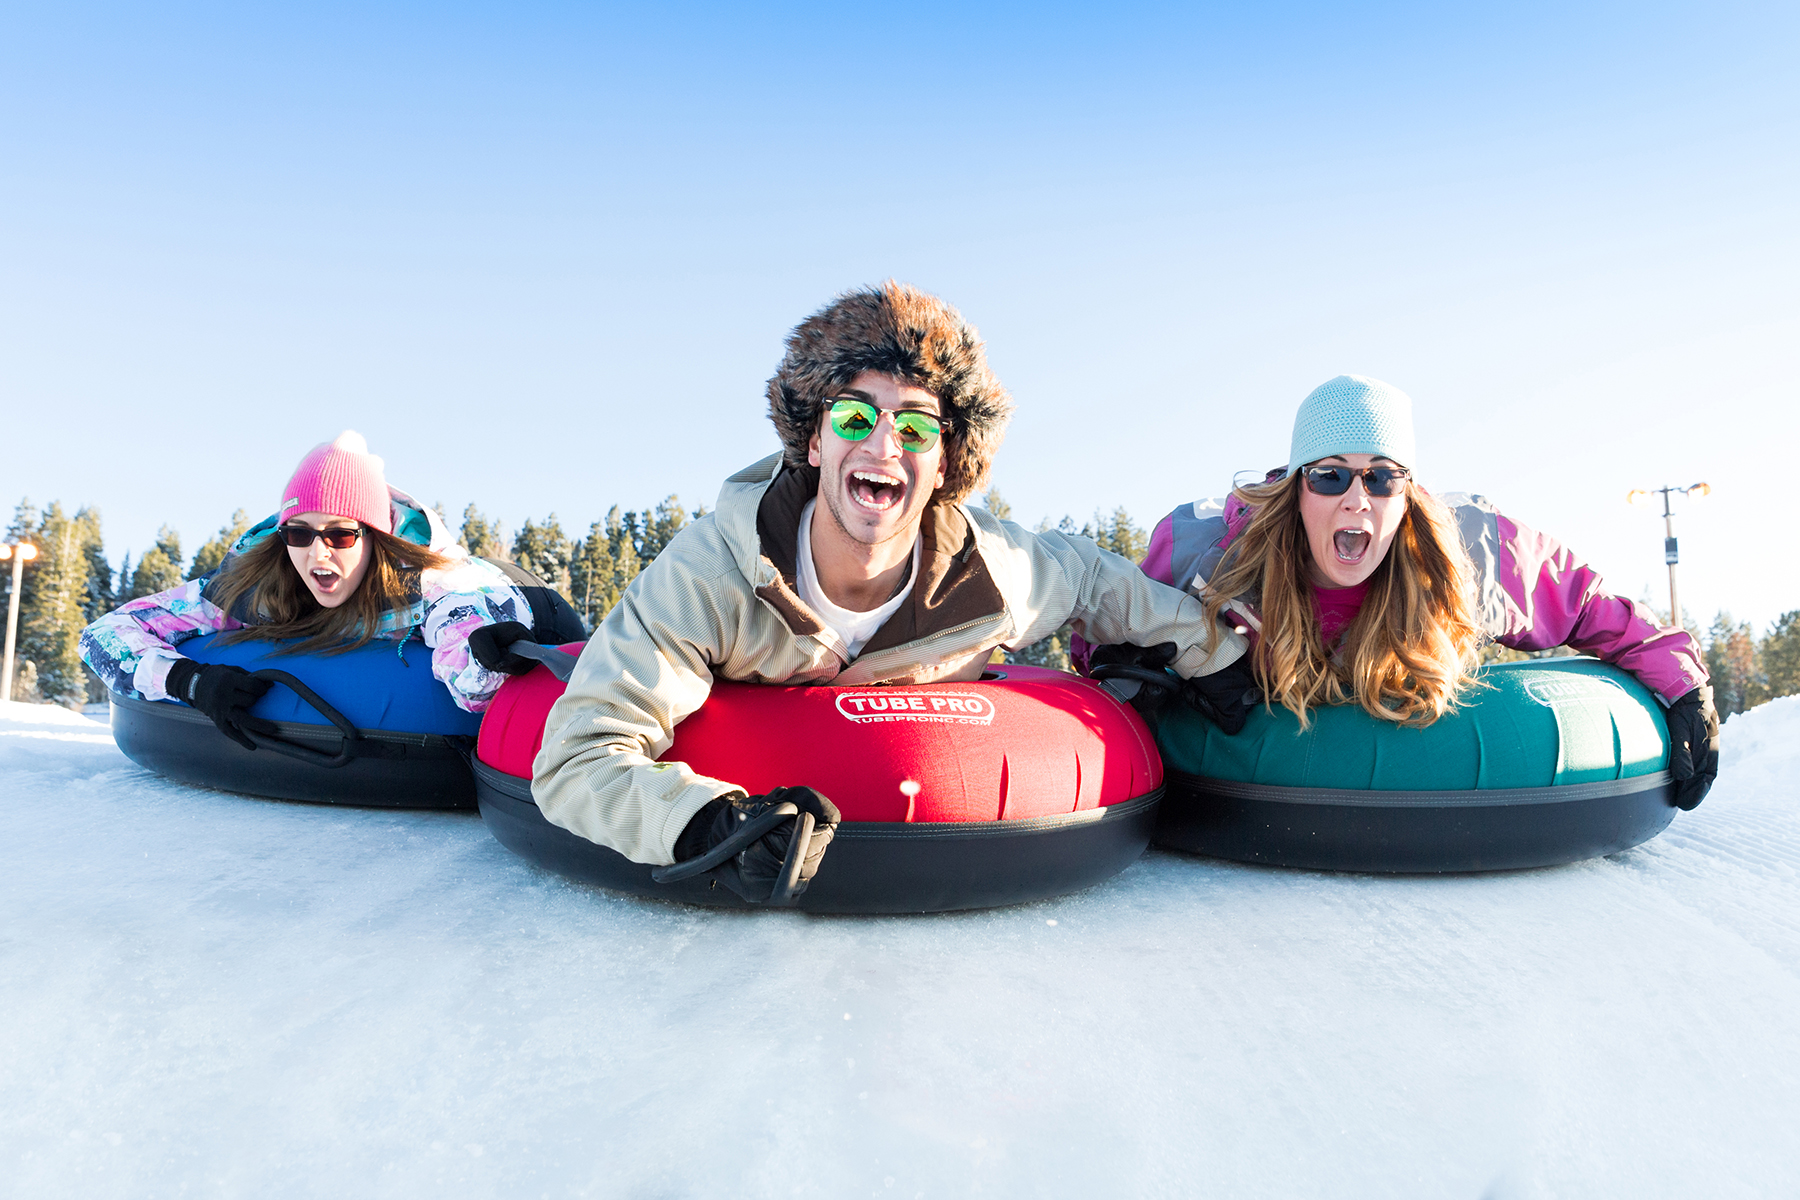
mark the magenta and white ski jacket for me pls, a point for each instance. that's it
(132, 648)
(1533, 592)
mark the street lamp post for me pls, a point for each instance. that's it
(1671, 554)
(20, 553)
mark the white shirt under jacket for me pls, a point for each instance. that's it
(856, 628)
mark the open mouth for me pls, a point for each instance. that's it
(325, 581)
(1351, 544)
(876, 489)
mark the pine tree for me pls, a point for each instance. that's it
(660, 528)
(632, 525)
(160, 568)
(591, 587)
(209, 556)
(481, 537)
(1781, 656)
(605, 563)
(54, 600)
(621, 541)
(1118, 534)
(25, 521)
(102, 597)
(544, 550)
(1719, 666)
(1733, 662)
(996, 504)
(25, 682)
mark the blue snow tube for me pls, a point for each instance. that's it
(371, 726)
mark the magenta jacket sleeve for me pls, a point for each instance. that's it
(1159, 558)
(1552, 598)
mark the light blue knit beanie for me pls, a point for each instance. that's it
(1352, 414)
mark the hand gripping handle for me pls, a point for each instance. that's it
(737, 844)
(559, 662)
(1113, 675)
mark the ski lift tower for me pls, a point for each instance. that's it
(1638, 497)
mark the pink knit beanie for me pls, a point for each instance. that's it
(341, 479)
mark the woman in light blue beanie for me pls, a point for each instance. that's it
(1358, 586)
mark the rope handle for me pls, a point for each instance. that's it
(318, 758)
(787, 885)
(559, 662)
(1125, 673)
(731, 847)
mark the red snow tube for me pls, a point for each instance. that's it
(1027, 784)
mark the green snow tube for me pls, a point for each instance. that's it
(1546, 762)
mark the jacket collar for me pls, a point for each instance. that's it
(759, 514)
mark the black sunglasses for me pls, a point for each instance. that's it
(1335, 481)
(301, 536)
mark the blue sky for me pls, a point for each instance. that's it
(543, 255)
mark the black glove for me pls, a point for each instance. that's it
(755, 871)
(489, 646)
(1693, 746)
(1226, 696)
(224, 693)
(1137, 674)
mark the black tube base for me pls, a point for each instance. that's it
(1412, 833)
(390, 770)
(871, 867)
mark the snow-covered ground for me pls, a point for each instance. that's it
(208, 995)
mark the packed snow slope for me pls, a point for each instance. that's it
(209, 995)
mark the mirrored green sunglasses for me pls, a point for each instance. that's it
(854, 420)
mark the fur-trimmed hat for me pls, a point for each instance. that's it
(899, 331)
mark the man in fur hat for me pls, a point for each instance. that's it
(849, 558)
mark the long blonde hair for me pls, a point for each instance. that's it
(1408, 652)
(263, 581)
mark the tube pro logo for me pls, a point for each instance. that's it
(945, 708)
(1572, 689)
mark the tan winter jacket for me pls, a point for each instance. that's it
(720, 602)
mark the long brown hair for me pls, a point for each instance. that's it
(1408, 652)
(264, 583)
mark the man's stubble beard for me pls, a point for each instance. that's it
(835, 495)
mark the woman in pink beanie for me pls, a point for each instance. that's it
(345, 559)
